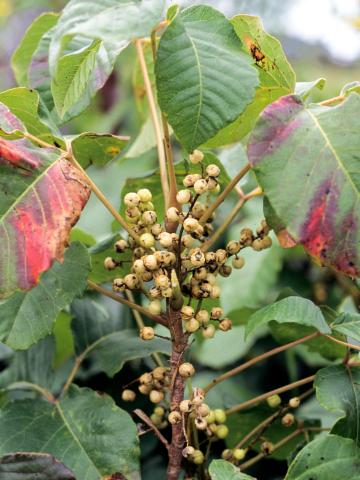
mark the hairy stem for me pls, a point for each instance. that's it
(207, 214)
(264, 396)
(155, 120)
(257, 359)
(134, 306)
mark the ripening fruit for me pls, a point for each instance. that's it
(196, 156)
(165, 239)
(150, 262)
(156, 396)
(294, 402)
(146, 378)
(212, 184)
(211, 417)
(147, 333)
(197, 258)
(198, 396)
(145, 195)
(208, 331)
(110, 263)
(233, 247)
(149, 217)
(238, 262)
(162, 281)
(225, 271)
(172, 214)
(131, 281)
(200, 186)
(213, 170)
(128, 395)
(203, 317)
(121, 245)
(167, 292)
(246, 237)
(221, 256)
(183, 196)
(190, 224)
(132, 199)
(118, 285)
(267, 448)
(266, 242)
(188, 451)
(216, 313)
(220, 415)
(239, 453)
(159, 411)
(159, 372)
(215, 291)
(187, 312)
(187, 241)
(274, 401)
(192, 325)
(222, 431)
(288, 420)
(174, 417)
(156, 419)
(186, 369)
(200, 423)
(198, 457)
(203, 410)
(144, 389)
(138, 266)
(147, 240)
(185, 406)
(226, 454)
(225, 324)
(154, 307)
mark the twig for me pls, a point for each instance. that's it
(331, 101)
(74, 370)
(264, 396)
(32, 386)
(207, 214)
(340, 342)
(155, 120)
(40, 142)
(140, 324)
(150, 424)
(257, 359)
(134, 306)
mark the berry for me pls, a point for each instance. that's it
(186, 370)
(159, 372)
(147, 333)
(288, 420)
(246, 237)
(200, 186)
(132, 199)
(221, 256)
(198, 457)
(118, 285)
(173, 214)
(121, 245)
(197, 258)
(225, 324)
(159, 411)
(146, 378)
(220, 415)
(187, 241)
(190, 224)
(145, 389)
(257, 245)
(211, 417)
(208, 331)
(196, 156)
(162, 281)
(185, 406)
(167, 292)
(202, 317)
(187, 312)
(198, 396)
(215, 291)
(156, 229)
(128, 395)
(222, 431)
(183, 196)
(156, 396)
(226, 454)
(188, 451)
(147, 240)
(131, 281)
(233, 247)
(267, 448)
(149, 217)
(274, 401)
(238, 262)
(174, 417)
(155, 307)
(294, 402)
(203, 410)
(150, 262)
(192, 325)
(213, 170)
(110, 263)
(156, 419)
(145, 195)
(138, 266)
(165, 239)
(200, 423)
(212, 184)
(216, 313)
(225, 270)
(266, 242)
(239, 453)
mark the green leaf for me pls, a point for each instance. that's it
(325, 458)
(64, 342)
(97, 337)
(315, 149)
(79, 235)
(338, 390)
(348, 324)
(197, 48)
(223, 470)
(305, 89)
(72, 77)
(350, 87)
(24, 103)
(33, 466)
(22, 56)
(84, 430)
(26, 317)
(96, 149)
(290, 310)
(276, 76)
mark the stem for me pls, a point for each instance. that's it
(105, 201)
(155, 120)
(32, 386)
(140, 324)
(134, 306)
(264, 396)
(74, 370)
(40, 142)
(150, 424)
(331, 101)
(257, 359)
(340, 342)
(179, 344)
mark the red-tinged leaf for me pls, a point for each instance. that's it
(33, 466)
(41, 198)
(8, 122)
(306, 159)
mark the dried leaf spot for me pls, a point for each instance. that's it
(112, 150)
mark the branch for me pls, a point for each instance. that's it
(150, 424)
(207, 214)
(257, 359)
(340, 342)
(134, 306)
(264, 396)
(155, 120)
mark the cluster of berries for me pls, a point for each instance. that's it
(154, 383)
